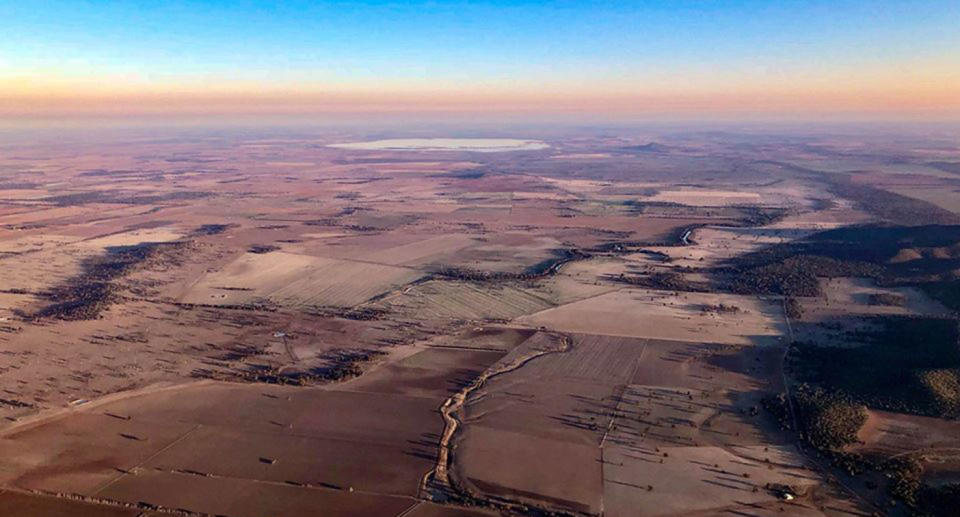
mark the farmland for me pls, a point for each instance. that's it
(567, 322)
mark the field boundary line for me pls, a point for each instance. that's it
(559, 305)
(613, 420)
(122, 475)
(412, 508)
(55, 414)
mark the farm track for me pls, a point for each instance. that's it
(371, 262)
(613, 419)
(45, 417)
(832, 473)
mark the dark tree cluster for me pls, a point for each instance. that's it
(887, 299)
(85, 296)
(892, 207)
(263, 248)
(663, 281)
(909, 365)
(828, 420)
(927, 257)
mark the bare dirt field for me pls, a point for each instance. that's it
(291, 280)
(615, 420)
(665, 315)
(465, 300)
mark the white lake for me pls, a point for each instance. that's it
(482, 145)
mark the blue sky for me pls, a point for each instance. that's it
(569, 44)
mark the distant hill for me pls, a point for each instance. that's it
(652, 147)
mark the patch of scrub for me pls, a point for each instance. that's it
(481, 145)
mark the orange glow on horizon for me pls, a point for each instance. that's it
(925, 92)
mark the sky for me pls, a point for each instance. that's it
(592, 59)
